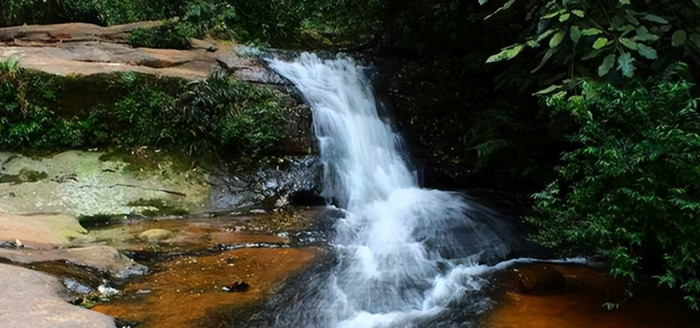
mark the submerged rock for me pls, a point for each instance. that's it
(238, 286)
(155, 235)
(582, 305)
(538, 279)
(186, 291)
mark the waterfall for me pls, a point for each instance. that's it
(404, 253)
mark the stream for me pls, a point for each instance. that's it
(383, 252)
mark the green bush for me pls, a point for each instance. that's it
(217, 115)
(220, 112)
(151, 118)
(171, 35)
(103, 12)
(628, 188)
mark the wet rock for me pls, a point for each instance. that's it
(104, 187)
(33, 299)
(206, 45)
(247, 69)
(103, 258)
(536, 279)
(270, 185)
(238, 286)
(75, 286)
(156, 235)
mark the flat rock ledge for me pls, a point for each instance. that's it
(33, 299)
(87, 49)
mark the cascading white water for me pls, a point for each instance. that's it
(402, 250)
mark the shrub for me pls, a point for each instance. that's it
(147, 117)
(628, 189)
(171, 35)
(218, 115)
(240, 117)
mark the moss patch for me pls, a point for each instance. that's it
(158, 207)
(24, 175)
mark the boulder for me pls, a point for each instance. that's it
(80, 183)
(32, 299)
(39, 231)
(103, 258)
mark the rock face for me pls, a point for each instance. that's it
(87, 49)
(80, 183)
(86, 183)
(37, 300)
(39, 231)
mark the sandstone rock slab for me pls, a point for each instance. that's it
(32, 299)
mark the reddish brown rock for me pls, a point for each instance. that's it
(86, 49)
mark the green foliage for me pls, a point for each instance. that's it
(217, 115)
(103, 12)
(613, 38)
(221, 112)
(628, 187)
(151, 118)
(170, 35)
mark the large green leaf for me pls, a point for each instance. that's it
(655, 19)
(607, 64)
(506, 53)
(591, 31)
(678, 38)
(575, 34)
(547, 90)
(625, 63)
(600, 43)
(646, 51)
(556, 39)
(544, 60)
(504, 7)
(629, 43)
(644, 35)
